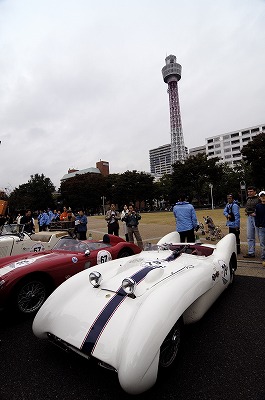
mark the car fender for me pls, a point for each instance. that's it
(139, 350)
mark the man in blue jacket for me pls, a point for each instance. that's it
(232, 214)
(186, 220)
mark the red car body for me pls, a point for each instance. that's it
(26, 280)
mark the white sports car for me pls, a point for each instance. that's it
(128, 313)
(14, 241)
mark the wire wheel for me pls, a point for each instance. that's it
(170, 347)
(30, 296)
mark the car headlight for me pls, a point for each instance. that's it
(95, 278)
(129, 285)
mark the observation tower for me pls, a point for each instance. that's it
(171, 74)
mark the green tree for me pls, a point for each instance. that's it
(253, 155)
(36, 194)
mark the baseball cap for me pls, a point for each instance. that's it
(262, 193)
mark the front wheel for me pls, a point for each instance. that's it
(170, 346)
(30, 295)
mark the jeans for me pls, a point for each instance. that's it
(133, 230)
(189, 235)
(251, 233)
(261, 235)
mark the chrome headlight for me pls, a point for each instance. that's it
(95, 278)
(129, 285)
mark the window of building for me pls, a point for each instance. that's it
(217, 139)
(254, 130)
(228, 156)
(246, 139)
(245, 133)
(226, 137)
(210, 141)
(234, 135)
(227, 150)
(218, 152)
(226, 144)
(236, 148)
(211, 153)
(235, 141)
(236, 155)
(210, 147)
(217, 145)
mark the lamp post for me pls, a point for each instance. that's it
(211, 188)
(103, 198)
(243, 191)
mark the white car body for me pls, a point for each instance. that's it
(13, 242)
(124, 332)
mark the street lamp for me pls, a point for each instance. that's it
(243, 191)
(103, 198)
(211, 188)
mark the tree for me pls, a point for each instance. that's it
(253, 155)
(36, 194)
(193, 176)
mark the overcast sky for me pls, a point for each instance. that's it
(81, 80)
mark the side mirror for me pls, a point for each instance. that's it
(87, 253)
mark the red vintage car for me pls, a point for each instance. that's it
(26, 280)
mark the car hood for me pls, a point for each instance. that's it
(76, 309)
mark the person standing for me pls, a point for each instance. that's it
(28, 222)
(112, 218)
(43, 220)
(186, 220)
(132, 221)
(123, 213)
(252, 201)
(260, 224)
(232, 214)
(81, 225)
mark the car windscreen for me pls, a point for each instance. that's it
(70, 244)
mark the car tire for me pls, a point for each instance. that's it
(125, 253)
(29, 295)
(232, 267)
(170, 347)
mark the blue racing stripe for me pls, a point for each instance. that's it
(90, 341)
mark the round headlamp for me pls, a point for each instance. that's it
(129, 285)
(95, 278)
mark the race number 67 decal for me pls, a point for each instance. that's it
(103, 256)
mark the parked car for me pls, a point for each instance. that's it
(27, 280)
(129, 314)
(13, 240)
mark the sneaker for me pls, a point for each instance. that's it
(249, 255)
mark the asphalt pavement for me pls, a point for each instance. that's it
(222, 358)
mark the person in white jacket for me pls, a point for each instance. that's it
(125, 228)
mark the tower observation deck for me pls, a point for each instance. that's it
(172, 73)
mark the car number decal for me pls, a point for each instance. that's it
(19, 264)
(103, 256)
(97, 327)
(37, 247)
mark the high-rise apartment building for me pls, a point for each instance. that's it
(160, 160)
(228, 146)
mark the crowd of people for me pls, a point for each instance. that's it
(184, 213)
(187, 223)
